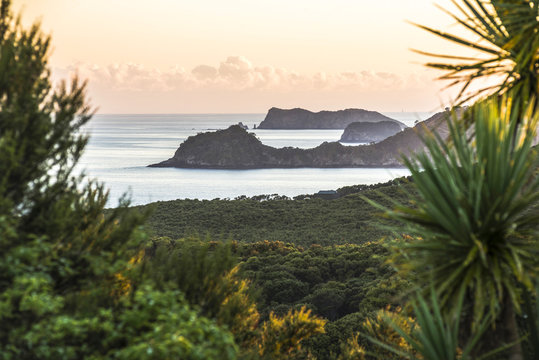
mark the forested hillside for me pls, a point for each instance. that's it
(304, 221)
(343, 284)
(326, 255)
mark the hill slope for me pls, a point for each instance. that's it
(307, 221)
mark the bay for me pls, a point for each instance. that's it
(121, 147)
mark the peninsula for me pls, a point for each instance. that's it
(235, 148)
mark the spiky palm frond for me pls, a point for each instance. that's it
(472, 228)
(507, 33)
(436, 334)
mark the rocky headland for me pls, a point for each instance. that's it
(235, 148)
(304, 119)
(367, 132)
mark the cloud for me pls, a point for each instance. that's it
(237, 69)
(236, 73)
(237, 85)
(204, 73)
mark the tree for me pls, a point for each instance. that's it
(207, 275)
(67, 288)
(281, 337)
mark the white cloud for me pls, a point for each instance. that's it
(237, 85)
(204, 73)
(235, 73)
(237, 70)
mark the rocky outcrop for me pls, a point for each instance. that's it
(305, 119)
(409, 140)
(367, 132)
(235, 148)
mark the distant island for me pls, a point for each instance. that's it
(235, 148)
(304, 119)
(367, 132)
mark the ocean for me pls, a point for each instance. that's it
(121, 147)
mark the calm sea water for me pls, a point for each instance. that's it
(121, 146)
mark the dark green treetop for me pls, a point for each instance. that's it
(66, 289)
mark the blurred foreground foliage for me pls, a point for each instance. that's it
(76, 282)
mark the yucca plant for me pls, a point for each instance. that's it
(531, 310)
(436, 335)
(473, 226)
(506, 33)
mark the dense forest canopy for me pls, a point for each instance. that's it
(305, 220)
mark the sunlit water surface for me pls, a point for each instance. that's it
(121, 147)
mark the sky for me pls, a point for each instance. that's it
(245, 56)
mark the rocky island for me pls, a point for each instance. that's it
(235, 148)
(367, 132)
(304, 119)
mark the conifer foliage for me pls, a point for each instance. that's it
(80, 282)
(66, 289)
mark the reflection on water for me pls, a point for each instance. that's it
(154, 184)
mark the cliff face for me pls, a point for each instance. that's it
(235, 148)
(230, 148)
(304, 119)
(366, 132)
(409, 140)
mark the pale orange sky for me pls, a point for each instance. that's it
(211, 56)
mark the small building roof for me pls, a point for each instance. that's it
(327, 192)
